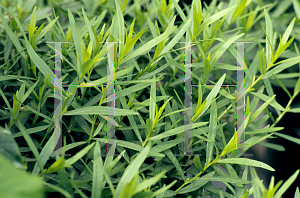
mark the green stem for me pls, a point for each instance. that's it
(228, 108)
(247, 91)
(187, 162)
(90, 137)
(140, 74)
(197, 176)
(148, 136)
(89, 75)
(92, 129)
(287, 108)
(67, 98)
(28, 66)
(94, 121)
(172, 78)
(48, 131)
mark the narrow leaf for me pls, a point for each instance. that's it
(132, 169)
(245, 161)
(212, 131)
(286, 185)
(97, 172)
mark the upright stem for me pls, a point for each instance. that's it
(287, 108)
(228, 108)
(197, 176)
(247, 91)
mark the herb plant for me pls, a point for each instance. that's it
(149, 93)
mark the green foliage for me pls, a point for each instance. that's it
(149, 90)
(276, 191)
(16, 183)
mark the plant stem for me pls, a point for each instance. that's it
(172, 78)
(89, 75)
(287, 108)
(67, 98)
(144, 143)
(197, 176)
(247, 91)
(92, 129)
(228, 108)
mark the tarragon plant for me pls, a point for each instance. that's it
(148, 60)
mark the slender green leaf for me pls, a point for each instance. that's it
(39, 63)
(269, 37)
(9, 148)
(297, 193)
(13, 77)
(245, 161)
(147, 46)
(175, 39)
(130, 117)
(120, 25)
(282, 86)
(153, 104)
(76, 37)
(45, 30)
(290, 138)
(58, 189)
(213, 93)
(79, 155)
(16, 183)
(295, 110)
(266, 98)
(163, 189)
(286, 185)
(65, 181)
(197, 162)
(176, 131)
(214, 18)
(30, 144)
(296, 5)
(179, 10)
(100, 110)
(97, 172)
(264, 130)
(287, 32)
(13, 37)
(272, 146)
(260, 109)
(219, 53)
(132, 169)
(212, 131)
(132, 146)
(286, 64)
(148, 182)
(196, 184)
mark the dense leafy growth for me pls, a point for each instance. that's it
(149, 90)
